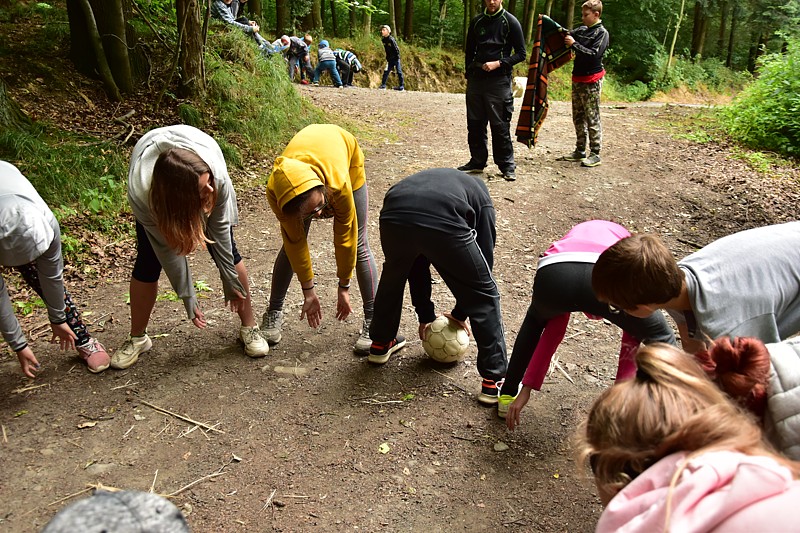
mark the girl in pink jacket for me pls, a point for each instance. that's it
(563, 285)
(670, 452)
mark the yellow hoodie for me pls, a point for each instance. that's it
(320, 154)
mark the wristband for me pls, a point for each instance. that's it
(344, 286)
(309, 288)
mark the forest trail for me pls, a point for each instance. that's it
(303, 427)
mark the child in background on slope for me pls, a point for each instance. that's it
(182, 197)
(670, 452)
(30, 241)
(562, 285)
(392, 59)
(326, 61)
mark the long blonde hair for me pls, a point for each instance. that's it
(670, 406)
(175, 199)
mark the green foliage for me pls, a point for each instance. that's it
(105, 198)
(66, 170)
(25, 308)
(255, 106)
(766, 115)
(190, 115)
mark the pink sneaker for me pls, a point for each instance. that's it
(304, 82)
(95, 355)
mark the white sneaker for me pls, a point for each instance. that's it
(129, 352)
(271, 324)
(363, 343)
(254, 343)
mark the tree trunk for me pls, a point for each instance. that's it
(392, 16)
(530, 17)
(11, 116)
(316, 17)
(408, 23)
(548, 8)
(701, 43)
(725, 8)
(352, 19)
(190, 59)
(100, 55)
(732, 38)
(255, 9)
(398, 18)
(442, 19)
(698, 29)
(512, 7)
(570, 13)
(111, 20)
(282, 17)
(674, 39)
(334, 21)
(368, 17)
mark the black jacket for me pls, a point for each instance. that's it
(590, 45)
(492, 38)
(391, 48)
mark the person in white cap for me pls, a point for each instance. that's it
(30, 241)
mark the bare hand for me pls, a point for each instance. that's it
(463, 323)
(343, 308)
(66, 338)
(255, 26)
(199, 319)
(491, 65)
(569, 40)
(516, 407)
(422, 331)
(312, 309)
(237, 303)
(28, 362)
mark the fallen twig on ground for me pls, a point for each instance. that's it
(181, 417)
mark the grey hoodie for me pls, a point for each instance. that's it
(223, 216)
(28, 233)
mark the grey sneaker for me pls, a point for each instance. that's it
(254, 343)
(592, 161)
(129, 352)
(271, 324)
(576, 156)
(363, 343)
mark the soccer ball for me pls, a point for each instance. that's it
(446, 341)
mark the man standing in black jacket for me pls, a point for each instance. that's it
(444, 218)
(589, 43)
(392, 58)
(489, 62)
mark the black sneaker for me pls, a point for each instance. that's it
(379, 353)
(489, 390)
(509, 175)
(399, 88)
(471, 167)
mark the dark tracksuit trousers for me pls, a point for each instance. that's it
(490, 100)
(463, 267)
(561, 288)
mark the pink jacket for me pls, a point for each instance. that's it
(582, 244)
(720, 491)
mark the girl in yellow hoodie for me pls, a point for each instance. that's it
(321, 175)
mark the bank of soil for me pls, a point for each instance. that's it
(297, 436)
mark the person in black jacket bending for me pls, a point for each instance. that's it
(589, 42)
(445, 218)
(488, 62)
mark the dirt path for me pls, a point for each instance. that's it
(302, 427)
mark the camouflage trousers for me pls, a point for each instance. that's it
(586, 115)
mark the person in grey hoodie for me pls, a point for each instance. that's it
(182, 197)
(30, 241)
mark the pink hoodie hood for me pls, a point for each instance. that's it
(717, 491)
